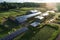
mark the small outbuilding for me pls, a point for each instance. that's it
(35, 24)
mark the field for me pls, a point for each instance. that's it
(12, 12)
(42, 34)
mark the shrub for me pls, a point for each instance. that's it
(53, 37)
(52, 26)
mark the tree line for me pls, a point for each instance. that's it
(6, 6)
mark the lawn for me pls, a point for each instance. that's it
(13, 12)
(42, 34)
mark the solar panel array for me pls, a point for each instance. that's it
(34, 24)
(21, 19)
(37, 22)
(14, 34)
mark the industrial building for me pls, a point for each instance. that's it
(21, 19)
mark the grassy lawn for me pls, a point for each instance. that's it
(13, 13)
(3, 34)
(10, 28)
(43, 34)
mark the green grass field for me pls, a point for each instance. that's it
(42, 34)
(13, 12)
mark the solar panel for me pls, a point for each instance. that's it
(21, 19)
(34, 24)
(12, 35)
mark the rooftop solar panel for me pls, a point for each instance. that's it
(21, 19)
(34, 24)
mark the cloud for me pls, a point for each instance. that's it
(1, 0)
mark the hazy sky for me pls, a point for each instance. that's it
(20, 0)
(30, 1)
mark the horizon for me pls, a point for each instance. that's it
(35, 1)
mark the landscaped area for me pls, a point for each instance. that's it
(46, 30)
(42, 34)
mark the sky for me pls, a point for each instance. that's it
(37, 1)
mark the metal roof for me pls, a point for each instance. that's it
(52, 11)
(23, 18)
(34, 24)
(45, 14)
(39, 17)
(34, 11)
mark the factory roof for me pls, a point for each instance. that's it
(34, 24)
(39, 17)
